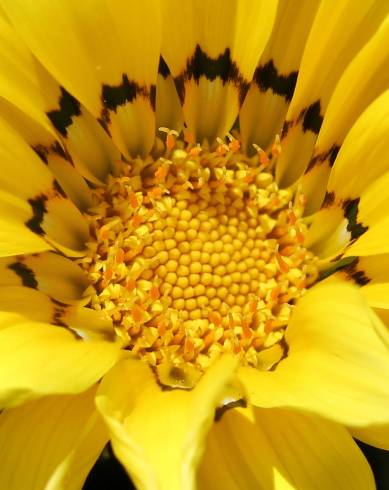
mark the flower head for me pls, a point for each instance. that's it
(193, 241)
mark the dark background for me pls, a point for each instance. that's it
(108, 474)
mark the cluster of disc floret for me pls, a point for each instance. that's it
(198, 252)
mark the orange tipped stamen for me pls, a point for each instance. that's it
(154, 292)
(133, 200)
(137, 313)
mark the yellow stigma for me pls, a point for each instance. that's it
(196, 253)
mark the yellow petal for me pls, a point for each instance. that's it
(338, 360)
(50, 443)
(374, 241)
(26, 304)
(372, 274)
(168, 108)
(364, 149)
(355, 226)
(375, 435)
(142, 416)
(32, 305)
(328, 233)
(49, 272)
(205, 45)
(319, 74)
(108, 59)
(38, 359)
(267, 101)
(279, 449)
(18, 83)
(365, 78)
(15, 236)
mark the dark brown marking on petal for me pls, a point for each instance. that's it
(38, 205)
(337, 257)
(220, 411)
(329, 199)
(59, 189)
(105, 120)
(44, 151)
(329, 155)
(176, 372)
(358, 276)
(62, 118)
(350, 208)
(312, 118)
(26, 274)
(266, 77)
(163, 69)
(201, 65)
(115, 96)
(339, 263)
(285, 128)
(59, 312)
(285, 348)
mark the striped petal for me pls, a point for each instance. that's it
(365, 79)
(372, 274)
(267, 101)
(204, 45)
(364, 148)
(25, 175)
(16, 236)
(108, 59)
(50, 443)
(51, 273)
(141, 416)
(87, 144)
(51, 151)
(319, 74)
(338, 360)
(26, 303)
(265, 448)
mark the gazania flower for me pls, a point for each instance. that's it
(207, 293)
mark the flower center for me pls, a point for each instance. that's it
(196, 253)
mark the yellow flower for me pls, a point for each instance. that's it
(208, 295)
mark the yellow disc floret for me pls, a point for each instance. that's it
(196, 253)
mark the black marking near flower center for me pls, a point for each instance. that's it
(267, 78)
(310, 117)
(62, 118)
(25, 274)
(201, 65)
(43, 152)
(115, 96)
(220, 411)
(38, 205)
(178, 377)
(163, 69)
(350, 207)
(329, 199)
(358, 276)
(58, 316)
(329, 155)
